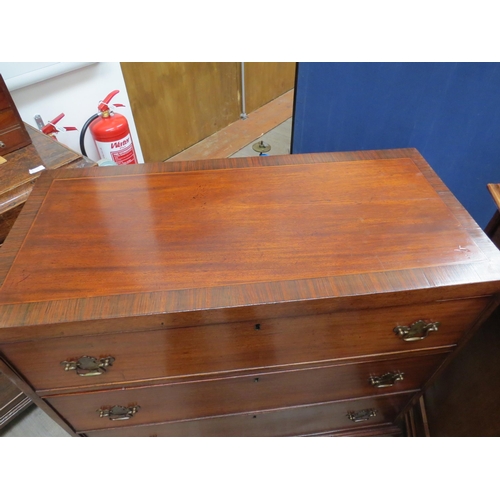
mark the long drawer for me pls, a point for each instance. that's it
(231, 347)
(298, 421)
(180, 401)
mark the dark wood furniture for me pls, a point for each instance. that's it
(465, 399)
(493, 227)
(289, 295)
(13, 133)
(12, 401)
(16, 183)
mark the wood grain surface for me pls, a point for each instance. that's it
(249, 235)
(301, 420)
(239, 134)
(139, 234)
(258, 392)
(16, 183)
(13, 134)
(178, 104)
(494, 190)
(281, 342)
(246, 296)
(7, 220)
(264, 81)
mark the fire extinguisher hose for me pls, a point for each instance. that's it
(84, 130)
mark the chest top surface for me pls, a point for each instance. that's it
(227, 227)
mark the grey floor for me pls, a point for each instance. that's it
(278, 138)
(33, 422)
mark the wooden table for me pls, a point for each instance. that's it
(313, 294)
(16, 183)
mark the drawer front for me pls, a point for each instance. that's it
(155, 355)
(301, 421)
(8, 119)
(12, 140)
(4, 100)
(181, 401)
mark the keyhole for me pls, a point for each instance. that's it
(257, 326)
(256, 379)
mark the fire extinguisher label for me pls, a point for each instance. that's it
(122, 152)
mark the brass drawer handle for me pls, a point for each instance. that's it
(386, 380)
(362, 415)
(118, 412)
(88, 366)
(417, 331)
(2, 144)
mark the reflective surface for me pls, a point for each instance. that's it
(159, 232)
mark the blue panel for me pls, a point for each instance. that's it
(450, 112)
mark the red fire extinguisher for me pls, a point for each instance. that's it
(111, 133)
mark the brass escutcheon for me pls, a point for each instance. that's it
(416, 331)
(386, 380)
(362, 415)
(88, 366)
(118, 412)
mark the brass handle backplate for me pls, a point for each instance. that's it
(118, 412)
(417, 331)
(362, 415)
(88, 366)
(386, 380)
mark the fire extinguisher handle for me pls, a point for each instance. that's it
(110, 96)
(49, 129)
(57, 118)
(104, 104)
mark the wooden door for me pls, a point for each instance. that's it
(176, 105)
(265, 81)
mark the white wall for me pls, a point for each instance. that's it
(76, 94)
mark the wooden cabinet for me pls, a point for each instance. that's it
(16, 180)
(289, 295)
(13, 133)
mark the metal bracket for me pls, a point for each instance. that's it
(361, 415)
(417, 331)
(261, 147)
(87, 366)
(386, 380)
(39, 122)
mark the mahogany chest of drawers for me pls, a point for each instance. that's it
(272, 296)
